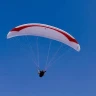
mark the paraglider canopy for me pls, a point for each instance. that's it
(47, 31)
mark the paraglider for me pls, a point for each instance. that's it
(46, 31)
(41, 73)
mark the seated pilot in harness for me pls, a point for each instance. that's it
(41, 73)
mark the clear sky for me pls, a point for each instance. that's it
(74, 74)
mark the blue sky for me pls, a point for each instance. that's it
(75, 75)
